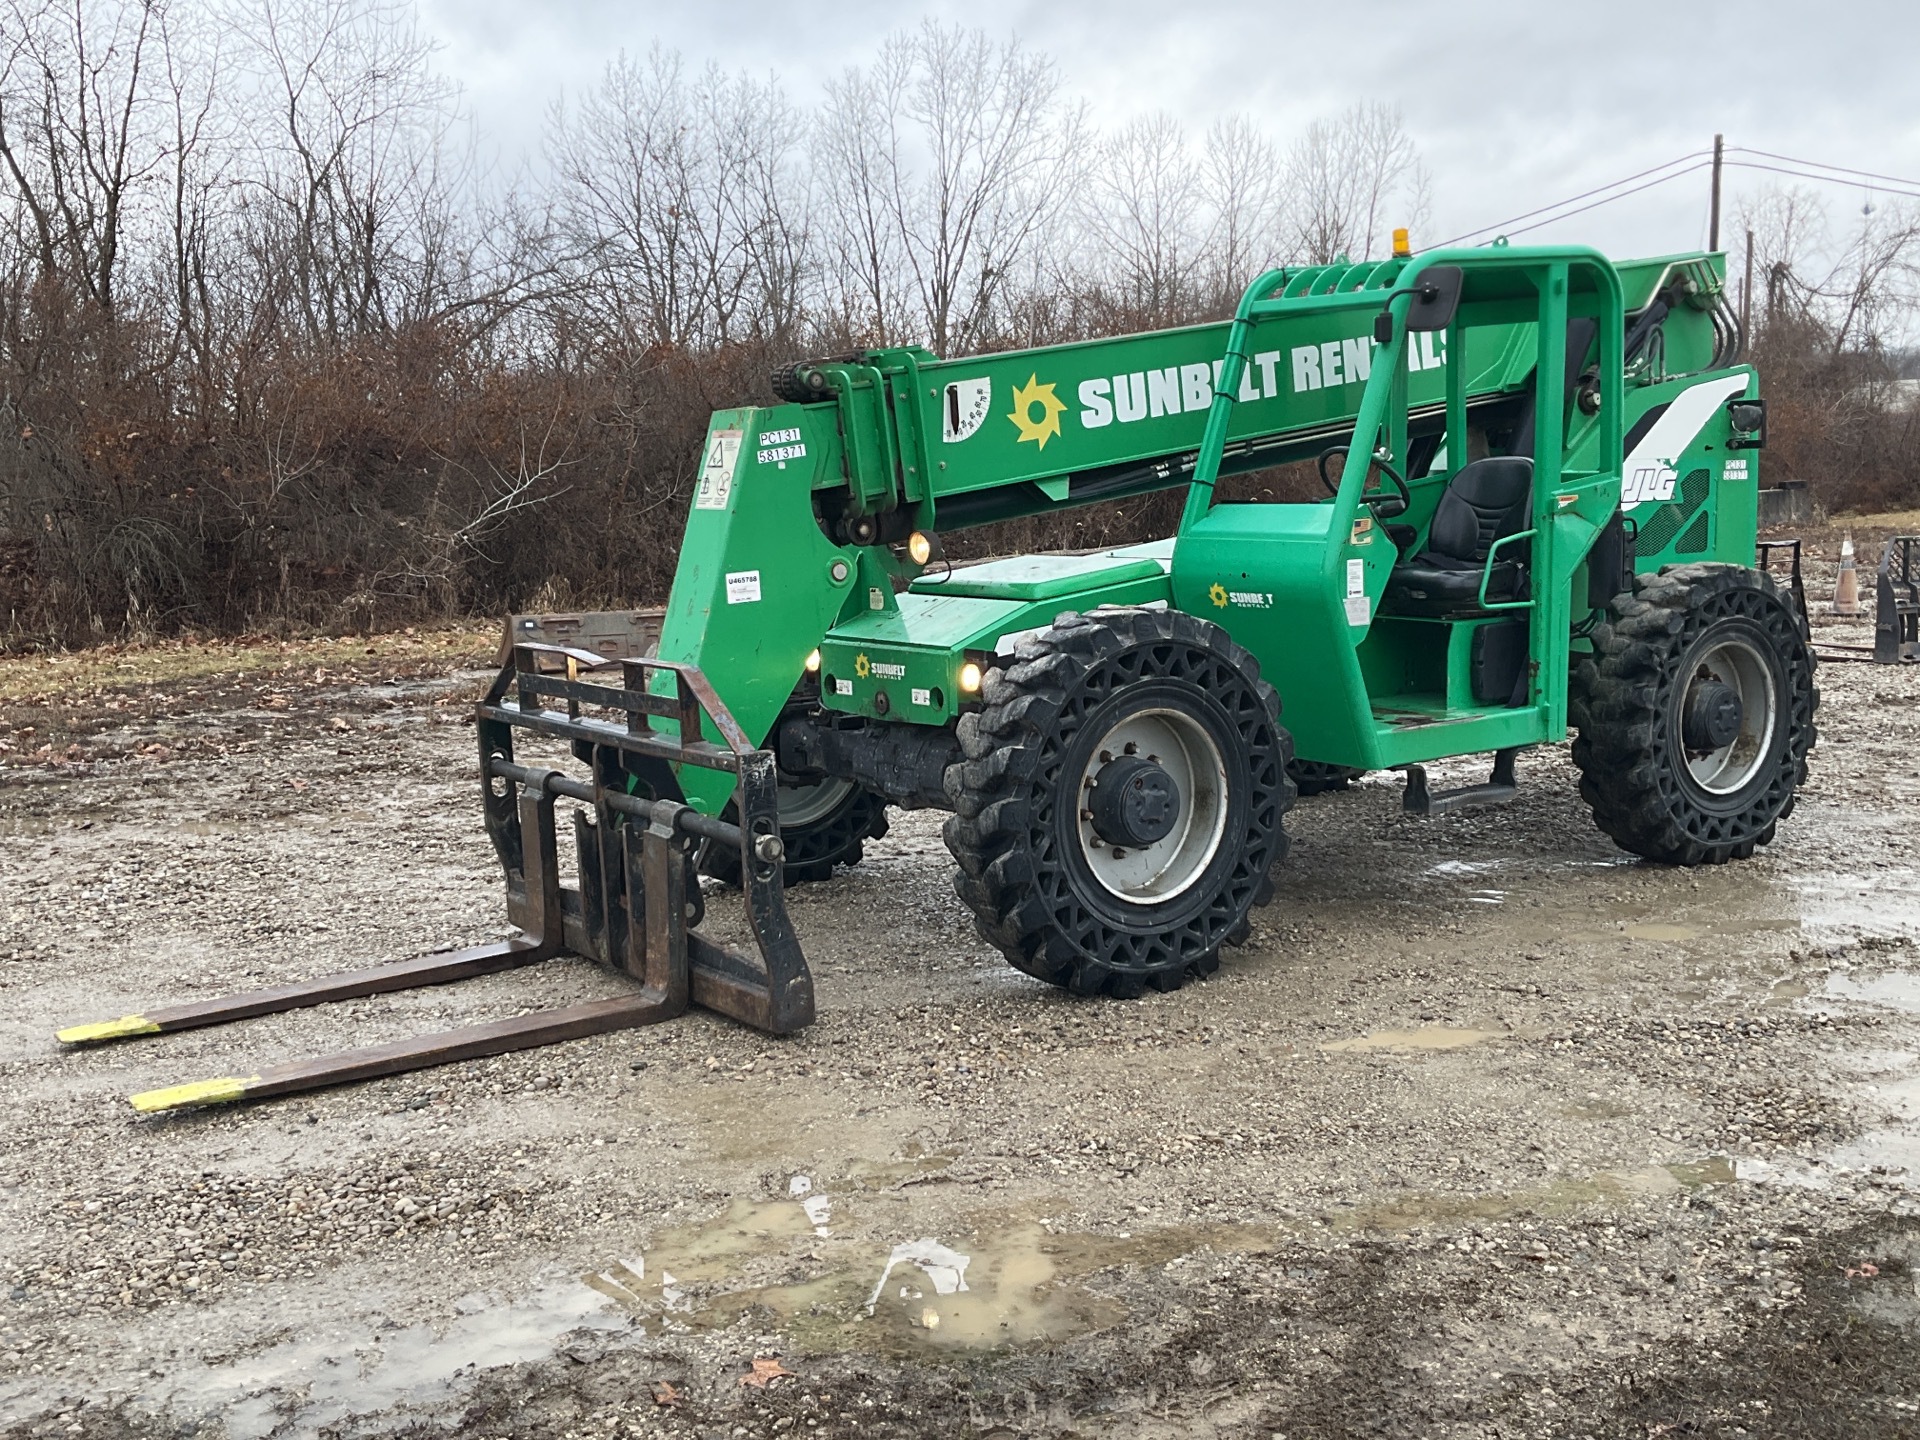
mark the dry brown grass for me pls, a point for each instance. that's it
(72, 675)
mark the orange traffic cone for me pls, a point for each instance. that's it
(1846, 589)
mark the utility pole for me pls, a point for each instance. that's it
(1746, 298)
(1713, 224)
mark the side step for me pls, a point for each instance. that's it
(1501, 787)
(635, 910)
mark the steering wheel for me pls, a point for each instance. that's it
(1384, 507)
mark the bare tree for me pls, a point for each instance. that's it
(1240, 177)
(1141, 213)
(73, 107)
(349, 202)
(681, 195)
(949, 156)
(1348, 179)
(1859, 293)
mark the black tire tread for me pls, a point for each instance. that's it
(1003, 745)
(1616, 701)
(1314, 777)
(813, 850)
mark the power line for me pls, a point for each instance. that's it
(1501, 225)
(1820, 165)
(1691, 164)
(1608, 200)
(1913, 194)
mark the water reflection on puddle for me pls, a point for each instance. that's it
(1887, 901)
(1014, 1289)
(1654, 930)
(1006, 1284)
(322, 1384)
(1896, 989)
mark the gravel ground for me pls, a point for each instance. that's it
(1489, 1131)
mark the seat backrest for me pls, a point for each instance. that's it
(1487, 499)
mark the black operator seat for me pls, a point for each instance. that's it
(1488, 499)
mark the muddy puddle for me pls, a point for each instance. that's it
(329, 1384)
(1884, 1087)
(996, 1279)
(1884, 902)
(1894, 989)
(1562, 1196)
(1657, 931)
(1891, 1146)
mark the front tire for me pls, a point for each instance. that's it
(1695, 714)
(1121, 801)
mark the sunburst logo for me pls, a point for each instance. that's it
(1216, 593)
(1028, 397)
(862, 666)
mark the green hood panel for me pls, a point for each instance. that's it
(1039, 577)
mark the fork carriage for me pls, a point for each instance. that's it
(635, 910)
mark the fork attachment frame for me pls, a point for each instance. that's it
(635, 910)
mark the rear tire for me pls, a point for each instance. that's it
(1695, 714)
(1167, 706)
(822, 825)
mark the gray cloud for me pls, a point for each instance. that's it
(1513, 105)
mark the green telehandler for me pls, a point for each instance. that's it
(1540, 471)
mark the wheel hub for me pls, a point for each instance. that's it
(1728, 715)
(1713, 716)
(1135, 802)
(1153, 805)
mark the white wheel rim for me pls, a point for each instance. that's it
(1738, 665)
(804, 804)
(1181, 746)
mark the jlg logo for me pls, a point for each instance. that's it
(1647, 480)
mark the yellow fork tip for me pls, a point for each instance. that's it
(200, 1092)
(107, 1030)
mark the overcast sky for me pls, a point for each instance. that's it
(1512, 105)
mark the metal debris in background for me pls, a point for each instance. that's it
(635, 912)
(617, 634)
(1896, 624)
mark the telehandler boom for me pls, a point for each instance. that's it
(1540, 471)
